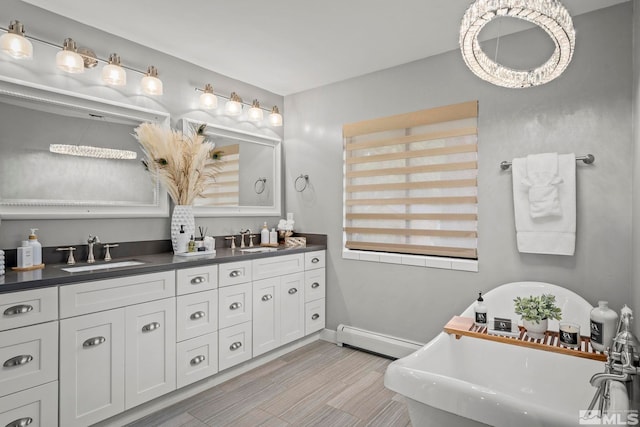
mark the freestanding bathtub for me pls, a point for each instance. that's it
(472, 382)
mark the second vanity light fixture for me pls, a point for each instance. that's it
(234, 106)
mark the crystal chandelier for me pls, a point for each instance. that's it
(550, 15)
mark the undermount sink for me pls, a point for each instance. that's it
(106, 266)
(261, 249)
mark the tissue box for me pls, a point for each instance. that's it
(295, 242)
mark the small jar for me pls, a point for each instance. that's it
(569, 335)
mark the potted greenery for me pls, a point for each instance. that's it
(535, 312)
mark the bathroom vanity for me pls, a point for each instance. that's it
(109, 340)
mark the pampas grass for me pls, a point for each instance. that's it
(183, 163)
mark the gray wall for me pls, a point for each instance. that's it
(180, 79)
(586, 110)
(635, 286)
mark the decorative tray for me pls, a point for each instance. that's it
(197, 253)
(464, 326)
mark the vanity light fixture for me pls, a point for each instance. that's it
(151, 84)
(89, 151)
(255, 113)
(68, 58)
(550, 15)
(208, 99)
(275, 118)
(14, 43)
(233, 107)
(112, 73)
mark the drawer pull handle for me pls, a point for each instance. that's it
(18, 309)
(292, 291)
(21, 422)
(92, 342)
(315, 316)
(23, 359)
(235, 306)
(234, 273)
(236, 345)
(315, 285)
(267, 297)
(315, 260)
(197, 280)
(150, 327)
(198, 315)
(197, 360)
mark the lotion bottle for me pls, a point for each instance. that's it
(604, 323)
(183, 241)
(480, 312)
(264, 234)
(36, 247)
(273, 237)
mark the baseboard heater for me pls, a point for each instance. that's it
(385, 345)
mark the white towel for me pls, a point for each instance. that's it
(555, 235)
(542, 179)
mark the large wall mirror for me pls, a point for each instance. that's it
(249, 180)
(64, 155)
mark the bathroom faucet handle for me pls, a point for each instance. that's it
(251, 236)
(71, 260)
(107, 246)
(233, 241)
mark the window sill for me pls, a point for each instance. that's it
(414, 260)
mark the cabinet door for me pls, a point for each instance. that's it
(197, 359)
(35, 407)
(196, 314)
(234, 345)
(91, 367)
(150, 351)
(266, 315)
(291, 307)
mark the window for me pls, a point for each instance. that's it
(410, 184)
(225, 191)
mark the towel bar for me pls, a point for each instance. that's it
(588, 159)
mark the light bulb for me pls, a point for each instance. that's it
(233, 107)
(151, 84)
(14, 44)
(208, 100)
(255, 112)
(112, 73)
(68, 59)
(275, 118)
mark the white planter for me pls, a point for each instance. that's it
(182, 215)
(535, 330)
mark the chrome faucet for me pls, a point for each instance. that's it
(92, 241)
(242, 234)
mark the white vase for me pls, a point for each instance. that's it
(182, 215)
(534, 329)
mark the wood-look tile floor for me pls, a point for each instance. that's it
(320, 384)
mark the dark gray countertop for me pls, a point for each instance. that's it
(52, 274)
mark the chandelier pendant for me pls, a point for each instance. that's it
(550, 15)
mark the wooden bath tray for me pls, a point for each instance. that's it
(464, 326)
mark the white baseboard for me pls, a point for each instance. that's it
(328, 335)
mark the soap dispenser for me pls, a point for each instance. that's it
(183, 241)
(604, 323)
(36, 247)
(481, 311)
(273, 237)
(264, 234)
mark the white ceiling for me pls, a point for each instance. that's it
(286, 46)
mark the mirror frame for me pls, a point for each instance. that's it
(253, 137)
(36, 93)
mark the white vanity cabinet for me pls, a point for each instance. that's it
(196, 323)
(117, 358)
(315, 288)
(29, 358)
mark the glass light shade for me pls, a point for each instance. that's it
(16, 46)
(70, 61)
(113, 74)
(275, 118)
(233, 107)
(151, 85)
(208, 100)
(255, 113)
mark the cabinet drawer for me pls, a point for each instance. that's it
(233, 273)
(196, 279)
(89, 297)
(197, 359)
(28, 307)
(314, 260)
(29, 357)
(234, 305)
(314, 316)
(264, 268)
(196, 314)
(35, 407)
(235, 345)
(314, 284)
